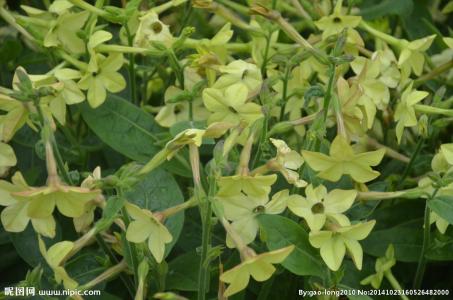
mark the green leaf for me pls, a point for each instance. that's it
(85, 267)
(183, 272)
(157, 191)
(386, 7)
(26, 244)
(443, 206)
(407, 239)
(128, 130)
(281, 232)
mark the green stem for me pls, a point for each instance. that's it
(381, 35)
(394, 283)
(91, 8)
(206, 210)
(108, 274)
(125, 279)
(328, 94)
(412, 161)
(131, 68)
(284, 93)
(434, 73)
(414, 193)
(421, 266)
(427, 109)
(169, 4)
(130, 246)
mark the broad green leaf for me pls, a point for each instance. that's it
(379, 9)
(157, 191)
(128, 130)
(85, 266)
(281, 232)
(26, 244)
(406, 238)
(183, 272)
(443, 206)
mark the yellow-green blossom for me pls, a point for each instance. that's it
(105, 78)
(412, 57)
(383, 265)
(260, 267)
(242, 211)
(405, 111)
(240, 71)
(319, 206)
(342, 160)
(252, 186)
(54, 256)
(151, 29)
(16, 115)
(334, 243)
(146, 226)
(14, 216)
(349, 95)
(287, 162)
(230, 105)
(7, 158)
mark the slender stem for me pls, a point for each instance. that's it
(284, 93)
(426, 240)
(131, 68)
(91, 8)
(125, 279)
(388, 151)
(130, 247)
(394, 283)
(206, 210)
(433, 110)
(434, 73)
(108, 274)
(414, 193)
(381, 35)
(409, 166)
(9, 18)
(421, 266)
(328, 95)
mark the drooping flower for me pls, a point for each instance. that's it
(405, 111)
(335, 243)
(14, 216)
(287, 162)
(383, 265)
(54, 256)
(342, 160)
(260, 267)
(230, 105)
(146, 226)
(15, 117)
(7, 158)
(242, 210)
(349, 95)
(319, 206)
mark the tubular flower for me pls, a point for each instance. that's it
(334, 243)
(260, 267)
(319, 206)
(383, 265)
(405, 111)
(54, 257)
(287, 162)
(146, 226)
(242, 211)
(14, 216)
(342, 160)
(230, 105)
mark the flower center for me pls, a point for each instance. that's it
(156, 27)
(317, 208)
(336, 20)
(232, 110)
(259, 209)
